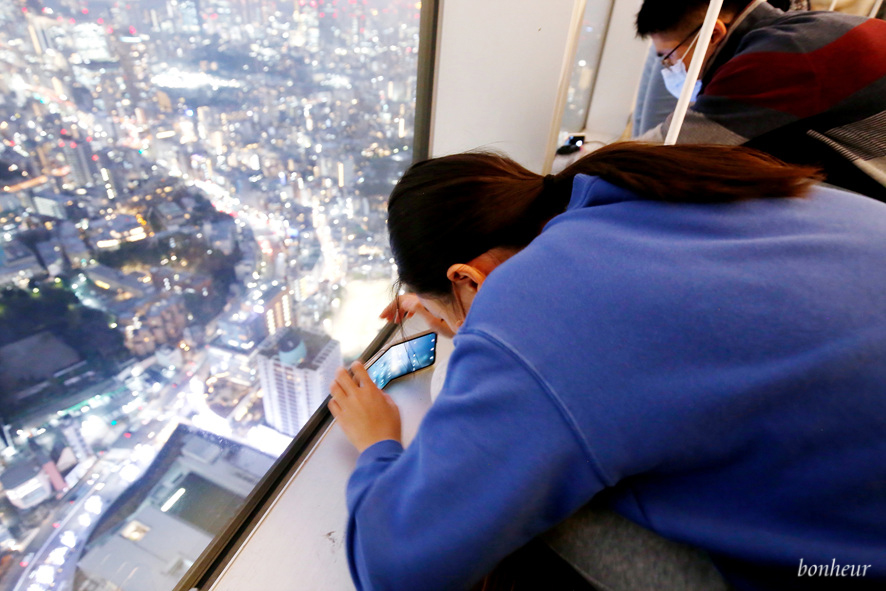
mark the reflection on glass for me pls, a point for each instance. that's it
(192, 239)
(584, 71)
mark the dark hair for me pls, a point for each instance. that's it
(452, 209)
(678, 16)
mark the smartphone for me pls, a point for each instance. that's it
(404, 358)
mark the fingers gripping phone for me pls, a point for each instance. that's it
(403, 358)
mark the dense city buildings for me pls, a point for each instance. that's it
(192, 204)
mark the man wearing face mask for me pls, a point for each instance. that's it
(808, 87)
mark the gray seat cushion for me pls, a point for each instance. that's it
(616, 554)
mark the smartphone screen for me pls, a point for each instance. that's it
(404, 358)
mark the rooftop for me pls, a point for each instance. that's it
(34, 358)
(314, 342)
(18, 473)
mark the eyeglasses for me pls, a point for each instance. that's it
(666, 60)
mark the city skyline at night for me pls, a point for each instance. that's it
(180, 181)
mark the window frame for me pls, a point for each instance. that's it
(212, 561)
(223, 548)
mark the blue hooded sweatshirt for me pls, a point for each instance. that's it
(719, 369)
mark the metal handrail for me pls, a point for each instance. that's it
(704, 41)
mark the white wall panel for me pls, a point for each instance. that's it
(624, 53)
(501, 76)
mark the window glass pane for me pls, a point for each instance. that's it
(584, 71)
(192, 240)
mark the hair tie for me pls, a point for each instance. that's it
(548, 181)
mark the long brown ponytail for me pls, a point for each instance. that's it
(452, 209)
(695, 173)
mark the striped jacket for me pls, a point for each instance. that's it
(807, 87)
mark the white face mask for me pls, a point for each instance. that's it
(674, 78)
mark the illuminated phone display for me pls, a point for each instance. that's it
(404, 358)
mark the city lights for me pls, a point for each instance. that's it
(188, 187)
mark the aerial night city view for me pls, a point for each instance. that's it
(192, 240)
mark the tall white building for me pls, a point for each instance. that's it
(70, 428)
(275, 303)
(295, 369)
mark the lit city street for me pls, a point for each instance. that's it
(192, 240)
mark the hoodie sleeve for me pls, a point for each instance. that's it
(497, 460)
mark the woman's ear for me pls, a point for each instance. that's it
(475, 271)
(466, 281)
(465, 277)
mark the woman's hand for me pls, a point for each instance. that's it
(365, 413)
(408, 305)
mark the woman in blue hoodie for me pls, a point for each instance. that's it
(699, 331)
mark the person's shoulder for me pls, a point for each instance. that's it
(849, 202)
(829, 210)
(819, 16)
(806, 30)
(822, 25)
